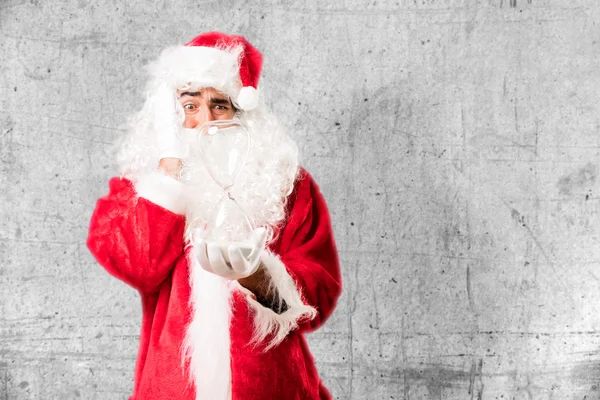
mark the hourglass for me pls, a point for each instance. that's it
(224, 147)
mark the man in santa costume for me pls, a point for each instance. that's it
(221, 319)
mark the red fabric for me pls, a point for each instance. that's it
(142, 244)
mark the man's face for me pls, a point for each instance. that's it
(204, 105)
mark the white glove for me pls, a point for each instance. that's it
(168, 119)
(231, 260)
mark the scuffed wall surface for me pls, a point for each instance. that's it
(456, 142)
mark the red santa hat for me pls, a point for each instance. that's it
(228, 63)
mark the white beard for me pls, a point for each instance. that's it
(262, 187)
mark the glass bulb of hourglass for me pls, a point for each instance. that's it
(224, 147)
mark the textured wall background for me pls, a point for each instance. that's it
(456, 141)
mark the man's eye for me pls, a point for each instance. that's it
(189, 106)
(222, 108)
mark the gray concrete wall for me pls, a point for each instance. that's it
(456, 142)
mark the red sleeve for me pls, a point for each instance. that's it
(134, 239)
(307, 249)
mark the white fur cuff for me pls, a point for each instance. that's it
(163, 191)
(266, 321)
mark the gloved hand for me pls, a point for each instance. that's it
(168, 119)
(233, 261)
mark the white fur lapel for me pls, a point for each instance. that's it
(207, 342)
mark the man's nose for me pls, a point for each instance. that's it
(206, 114)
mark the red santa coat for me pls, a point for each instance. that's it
(142, 243)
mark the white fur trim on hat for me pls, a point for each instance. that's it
(199, 66)
(266, 321)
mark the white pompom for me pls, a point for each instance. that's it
(247, 98)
